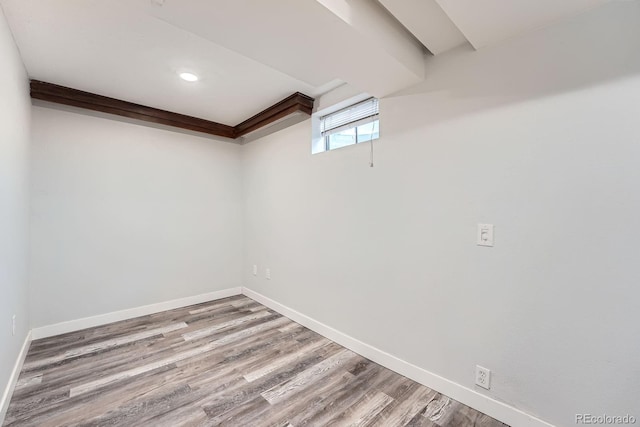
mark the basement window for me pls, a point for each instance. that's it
(351, 125)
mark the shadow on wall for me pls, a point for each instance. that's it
(592, 48)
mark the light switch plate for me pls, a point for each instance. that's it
(485, 234)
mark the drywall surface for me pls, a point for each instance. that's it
(15, 112)
(538, 136)
(125, 215)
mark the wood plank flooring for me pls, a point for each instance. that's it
(231, 362)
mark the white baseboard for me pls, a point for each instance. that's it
(485, 404)
(116, 316)
(13, 379)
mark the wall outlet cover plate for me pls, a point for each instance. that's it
(483, 377)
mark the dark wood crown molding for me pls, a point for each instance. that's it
(50, 92)
(77, 98)
(295, 103)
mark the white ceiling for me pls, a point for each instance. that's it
(490, 21)
(250, 54)
(119, 51)
(314, 40)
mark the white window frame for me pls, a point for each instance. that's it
(350, 117)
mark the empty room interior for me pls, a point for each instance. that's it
(319, 213)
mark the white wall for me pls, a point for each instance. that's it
(539, 136)
(14, 160)
(125, 215)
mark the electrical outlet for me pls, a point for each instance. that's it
(267, 273)
(13, 325)
(255, 270)
(483, 377)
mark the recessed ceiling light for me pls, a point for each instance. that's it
(189, 77)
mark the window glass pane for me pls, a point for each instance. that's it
(369, 131)
(342, 139)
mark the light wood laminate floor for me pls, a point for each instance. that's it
(231, 362)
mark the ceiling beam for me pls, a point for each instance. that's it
(50, 92)
(427, 22)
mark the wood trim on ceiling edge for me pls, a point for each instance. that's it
(50, 92)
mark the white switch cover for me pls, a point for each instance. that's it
(267, 273)
(255, 270)
(485, 234)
